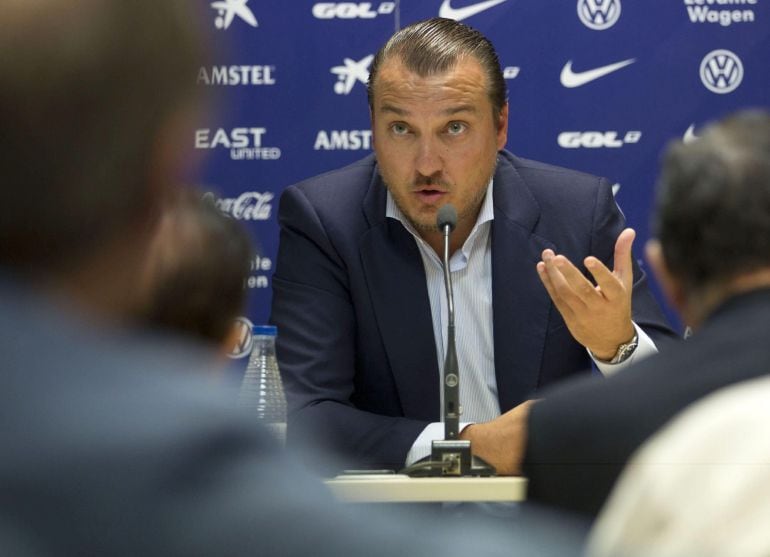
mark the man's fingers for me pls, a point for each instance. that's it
(545, 278)
(609, 284)
(566, 292)
(624, 268)
(542, 272)
(575, 279)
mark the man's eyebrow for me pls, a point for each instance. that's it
(461, 108)
(394, 109)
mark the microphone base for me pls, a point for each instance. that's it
(450, 458)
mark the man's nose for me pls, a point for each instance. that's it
(428, 158)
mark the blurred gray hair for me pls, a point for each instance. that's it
(712, 212)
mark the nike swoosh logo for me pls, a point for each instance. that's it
(572, 79)
(689, 135)
(458, 14)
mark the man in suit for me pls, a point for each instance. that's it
(358, 296)
(114, 443)
(712, 255)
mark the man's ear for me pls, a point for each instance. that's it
(502, 127)
(371, 125)
(672, 287)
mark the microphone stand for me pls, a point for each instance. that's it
(450, 456)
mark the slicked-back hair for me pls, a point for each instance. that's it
(712, 214)
(433, 47)
(86, 89)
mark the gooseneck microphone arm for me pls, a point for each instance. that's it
(446, 221)
(450, 456)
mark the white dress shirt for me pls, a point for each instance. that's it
(471, 268)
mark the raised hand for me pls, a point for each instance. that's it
(599, 317)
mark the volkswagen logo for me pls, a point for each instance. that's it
(721, 71)
(598, 14)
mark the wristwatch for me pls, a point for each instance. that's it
(625, 350)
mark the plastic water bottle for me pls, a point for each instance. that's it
(262, 389)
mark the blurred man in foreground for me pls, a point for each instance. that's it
(110, 446)
(700, 486)
(712, 255)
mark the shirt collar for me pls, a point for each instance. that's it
(478, 236)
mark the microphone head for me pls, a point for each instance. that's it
(447, 216)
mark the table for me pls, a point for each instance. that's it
(396, 488)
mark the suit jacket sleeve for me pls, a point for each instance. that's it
(316, 320)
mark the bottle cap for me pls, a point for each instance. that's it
(265, 330)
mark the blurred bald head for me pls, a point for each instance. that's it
(90, 95)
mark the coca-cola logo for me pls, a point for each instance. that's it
(250, 205)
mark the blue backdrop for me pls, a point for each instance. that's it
(596, 85)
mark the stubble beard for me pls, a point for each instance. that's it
(471, 211)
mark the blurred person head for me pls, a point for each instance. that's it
(95, 100)
(712, 219)
(439, 116)
(196, 267)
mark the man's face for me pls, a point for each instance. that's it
(436, 139)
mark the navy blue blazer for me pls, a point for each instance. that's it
(355, 334)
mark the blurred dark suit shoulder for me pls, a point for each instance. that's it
(118, 444)
(583, 432)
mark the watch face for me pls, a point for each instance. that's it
(625, 351)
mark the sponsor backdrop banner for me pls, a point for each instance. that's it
(596, 85)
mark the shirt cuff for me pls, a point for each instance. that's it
(645, 347)
(422, 445)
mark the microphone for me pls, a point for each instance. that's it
(450, 456)
(447, 216)
(446, 220)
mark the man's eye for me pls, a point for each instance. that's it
(455, 128)
(399, 129)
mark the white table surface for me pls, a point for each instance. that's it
(392, 488)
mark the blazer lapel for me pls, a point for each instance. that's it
(521, 304)
(395, 277)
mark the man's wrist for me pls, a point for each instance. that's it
(622, 352)
(466, 433)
